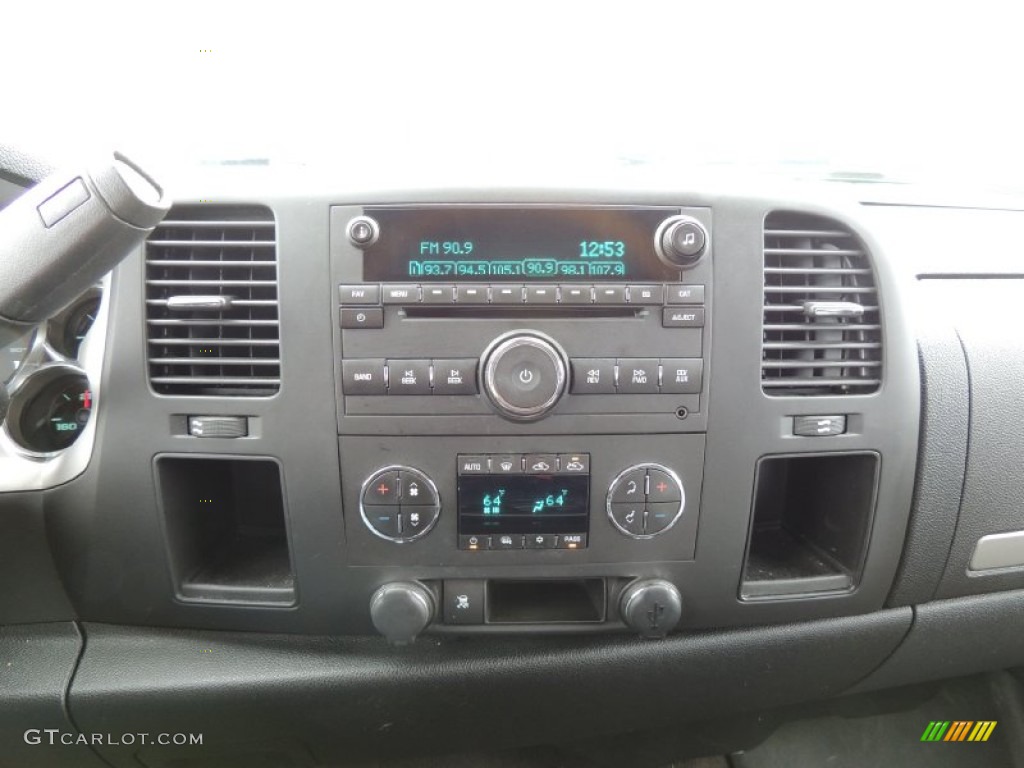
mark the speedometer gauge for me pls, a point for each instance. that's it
(12, 355)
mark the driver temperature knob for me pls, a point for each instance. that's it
(652, 607)
(401, 610)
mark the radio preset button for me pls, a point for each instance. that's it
(685, 294)
(401, 294)
(646, 294)
(593, 376)
(438, 294)
(408, 377)
(506, 294)
(577, 294)
(370, 317)
(638, 376)
(359, 294)
(681, 376)
(541, 294)
(471, 294)
(455, 377)
(683, 317)
(363, 377)
(610, 294)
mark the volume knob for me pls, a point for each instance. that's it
(681, 241)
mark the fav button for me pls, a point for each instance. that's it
(359, 294)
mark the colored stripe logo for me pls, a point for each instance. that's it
(959, 730)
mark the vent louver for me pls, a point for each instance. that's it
(211, 302)
(822, 326)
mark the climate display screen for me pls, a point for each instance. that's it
(496, 504)
(487, 244)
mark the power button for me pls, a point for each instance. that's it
(524, 375)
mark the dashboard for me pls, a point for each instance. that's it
(534, 422)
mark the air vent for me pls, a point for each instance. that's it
(211, 302)
(822, 326)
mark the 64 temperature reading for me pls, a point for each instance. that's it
(549, 501)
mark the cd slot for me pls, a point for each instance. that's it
(517, 312)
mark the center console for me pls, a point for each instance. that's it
(522, 385)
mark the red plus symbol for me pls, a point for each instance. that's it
(661, 487)
(382, 489)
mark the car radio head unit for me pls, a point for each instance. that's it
(452, 243)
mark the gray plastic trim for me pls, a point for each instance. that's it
(998, 550)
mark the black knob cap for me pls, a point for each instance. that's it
(524, 375)
(400, 611)
(681, 241)
(652, 607)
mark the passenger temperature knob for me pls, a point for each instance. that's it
(652, 607)
(401, 610)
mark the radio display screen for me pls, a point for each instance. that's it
(523, 504)
(491, 244)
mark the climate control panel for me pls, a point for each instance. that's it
(399, 504)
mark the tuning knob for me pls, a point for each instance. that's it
(401, 611)
(652, 607)
(681, 241)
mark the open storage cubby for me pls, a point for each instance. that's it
(810, 524)
(545, 601)
(226, 532)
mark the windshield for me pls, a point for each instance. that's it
(864, 92)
